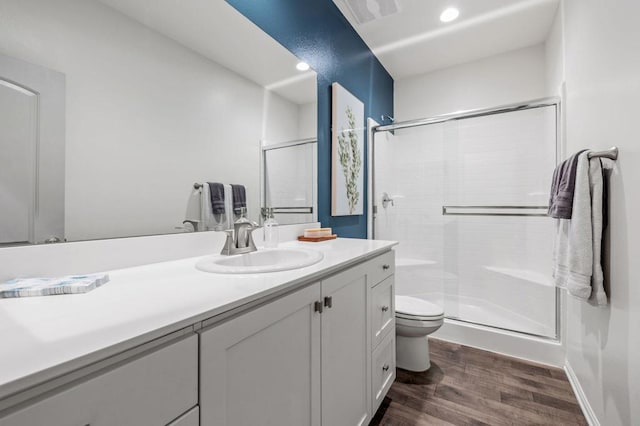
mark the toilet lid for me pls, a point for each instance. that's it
(412, 307)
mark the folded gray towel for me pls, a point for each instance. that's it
(216, 191)
(562, 188)
(239, 198)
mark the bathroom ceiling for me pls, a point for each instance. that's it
(413, 41)
(218, 32)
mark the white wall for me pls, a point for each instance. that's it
(308, 120)
(602, 75)
(146, 117)
(510, 77)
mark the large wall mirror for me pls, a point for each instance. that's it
(115, 114)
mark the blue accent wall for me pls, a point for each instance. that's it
(317, 33)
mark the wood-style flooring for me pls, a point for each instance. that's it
(469, 386)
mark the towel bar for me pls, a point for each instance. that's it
(531, 211)
(288, 210)
(611, 153)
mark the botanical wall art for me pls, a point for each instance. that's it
(347, 153)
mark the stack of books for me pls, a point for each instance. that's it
(72, 284)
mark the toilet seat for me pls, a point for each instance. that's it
(436, 322)
(413, 309)
(416, 318)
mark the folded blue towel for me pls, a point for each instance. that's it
(239, 198)
(216, 191)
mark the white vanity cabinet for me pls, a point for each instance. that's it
(303, 359)
(152, 389)
(316, 353)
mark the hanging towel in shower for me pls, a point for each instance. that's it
(578, 241)
(562, 188)
(239, 197)
(216, 190)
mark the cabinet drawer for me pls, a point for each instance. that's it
(382, 310)
(153, 389)
(190, 418)
(383, 367)
(381, 267)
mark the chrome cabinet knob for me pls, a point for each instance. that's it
(385, 308)
(385, 367)
(385, 267)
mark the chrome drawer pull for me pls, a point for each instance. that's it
(385, 308)
(385, 267)
(385, 367)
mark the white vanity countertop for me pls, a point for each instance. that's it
(43, 337)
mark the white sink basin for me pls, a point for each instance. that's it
(263, 260)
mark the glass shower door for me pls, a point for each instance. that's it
(288, 181)
(409, 173)
(497, 238)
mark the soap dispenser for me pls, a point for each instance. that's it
(270, 230)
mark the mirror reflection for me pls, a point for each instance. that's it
(117, 114)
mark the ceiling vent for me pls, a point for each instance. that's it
(369, 10)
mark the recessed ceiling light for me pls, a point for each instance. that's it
(302, 66)
(449, 14)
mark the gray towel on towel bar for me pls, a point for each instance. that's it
(578, 242)
(216, 191)
(562, 188)
(239, 197)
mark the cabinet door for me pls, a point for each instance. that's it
(263, 367)
(383, 314)
(150, 390)
(346, 355)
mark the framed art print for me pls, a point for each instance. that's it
(347, 153)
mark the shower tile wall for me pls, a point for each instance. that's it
(485, 269)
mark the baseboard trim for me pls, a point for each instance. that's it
(580, 396)
(535, 349)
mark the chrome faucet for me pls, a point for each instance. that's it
(240, 239)
(386, 200)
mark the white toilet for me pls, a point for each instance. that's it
(415, 320)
